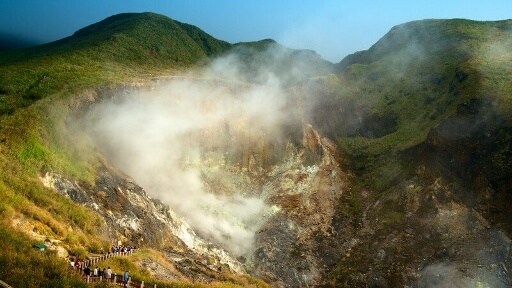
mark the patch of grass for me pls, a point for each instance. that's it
(33, 152)
(24, 266)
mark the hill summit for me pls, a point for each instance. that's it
(137, 37)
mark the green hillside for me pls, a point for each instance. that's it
(429, 103)
(119, 48)
(132, 37)
(418, 76)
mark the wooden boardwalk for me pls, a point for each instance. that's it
(116, 279)
(5, 285)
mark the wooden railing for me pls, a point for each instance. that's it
(115, 279)
(5, 285)
(118, 281)
(96, 260)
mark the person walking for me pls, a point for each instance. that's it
(126, 276)
(108, 274)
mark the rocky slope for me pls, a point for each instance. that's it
(326, 229)
(298, 175)
(295, 244)
(133, 218)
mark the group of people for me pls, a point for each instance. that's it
(121, 248)
(86, 270)
(104, 273)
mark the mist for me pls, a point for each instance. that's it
(172, 137)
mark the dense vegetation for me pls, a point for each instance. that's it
(119, 48)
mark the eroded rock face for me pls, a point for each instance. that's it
(131, 215)
(419, 234)
(301, 182)
(295, 171)
(293, 245)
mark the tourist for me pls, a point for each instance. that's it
(108, 274)
(126, 276)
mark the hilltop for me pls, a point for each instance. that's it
(416, 78)
(121, 47)
(133, 37)
(127, 46)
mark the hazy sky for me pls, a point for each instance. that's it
(332, 28)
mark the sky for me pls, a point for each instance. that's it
(333, 28)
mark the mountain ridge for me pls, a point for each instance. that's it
(127, 46)
(136, 27)
(432, 108)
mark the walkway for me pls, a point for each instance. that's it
(5, 285)
(116, 279)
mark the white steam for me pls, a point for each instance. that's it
(158, 137)
(449, 275)
(443, 275)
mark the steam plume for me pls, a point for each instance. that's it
(171, 138)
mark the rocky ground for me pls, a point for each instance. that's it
(133, 217)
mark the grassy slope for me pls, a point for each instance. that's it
(23, 266)
(414, 78)
(119, 48)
